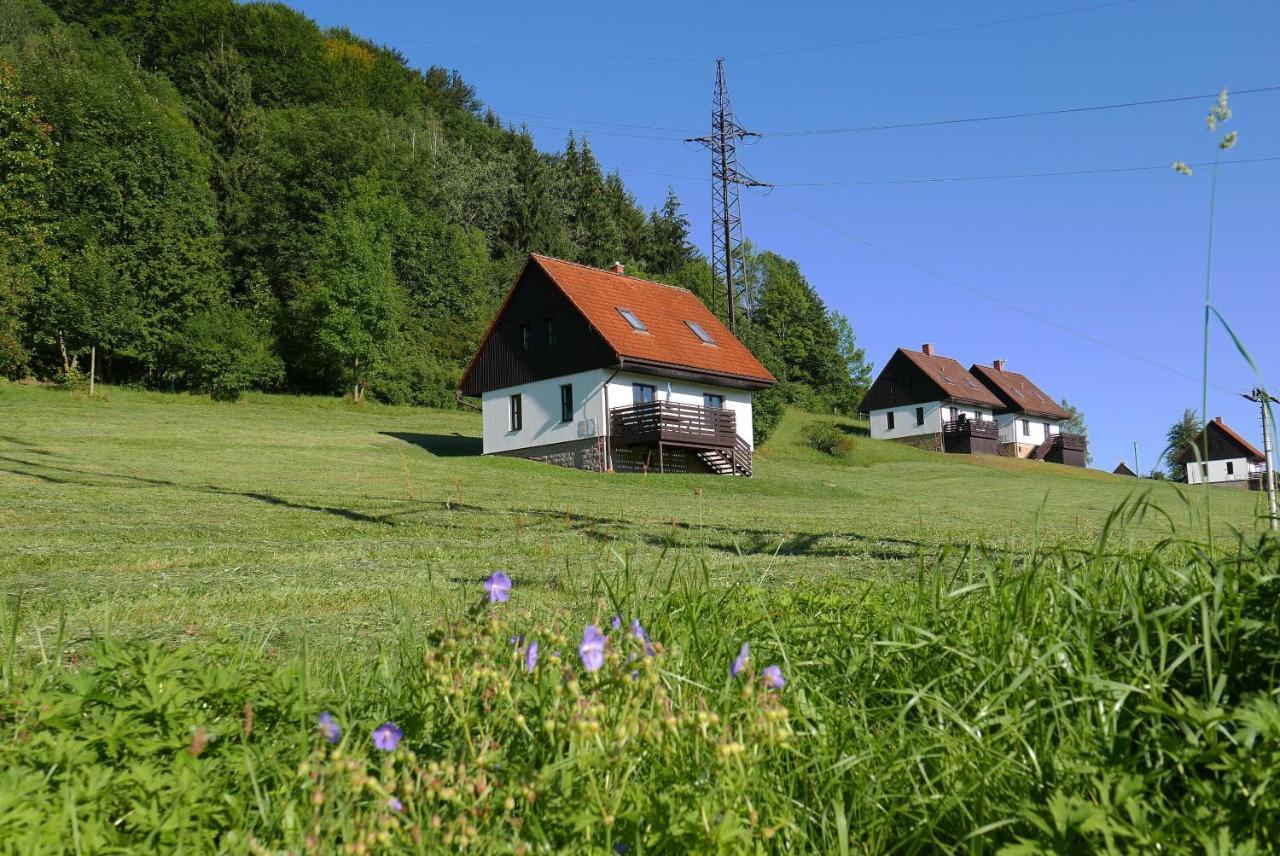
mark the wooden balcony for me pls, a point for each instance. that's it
(971, 437)
(710, 432)
(673, 424)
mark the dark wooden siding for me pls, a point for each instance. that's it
(502, 361)
(900, 383)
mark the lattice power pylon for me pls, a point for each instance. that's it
(727, 260)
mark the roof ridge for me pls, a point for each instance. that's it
(611, 273)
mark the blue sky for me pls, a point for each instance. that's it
(1117, 257)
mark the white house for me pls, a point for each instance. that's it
(931, 401)
(598, 370)
(1031, 423)
(1232, 460)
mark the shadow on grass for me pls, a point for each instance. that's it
(854, 430)
(441, 445)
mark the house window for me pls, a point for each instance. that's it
(919, 416)
(700, 333)
(1026, 427)
(712, 400)
(566, 402)
(517, 412)
(525, 337)
(551, 333)
(1231, 468)
(641, 393)
(888, 421)
(1204, 470)
(635, 322)
(953, 413)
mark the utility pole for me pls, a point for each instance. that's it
(1261, 397)
(726, 213)
(1137, 470)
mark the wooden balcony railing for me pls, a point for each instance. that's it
(668, 422)
(971, 437)
(973, 428)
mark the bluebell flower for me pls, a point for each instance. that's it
(498, 587)
(772, 676)
(517, 640)
(616, 622)
(740, 662)
(387, 736)
(531, 656)
(394, 804)
(329, 728)
(638, 631)
(591, 649)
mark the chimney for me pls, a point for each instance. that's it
(998, 364)
(1218, 419)
(616, 267)
(927, 347)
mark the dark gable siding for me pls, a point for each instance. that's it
(1222, 446)
(502, 361)
(901, 382)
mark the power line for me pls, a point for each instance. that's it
(685, 131)
(940, 31)
(1000, 117)
(1000, 300)
(967, 178)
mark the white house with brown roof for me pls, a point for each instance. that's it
(598, 370)
(1232, 460)
(931, 401)
(1030, 421)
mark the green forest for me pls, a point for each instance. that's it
(216, 196)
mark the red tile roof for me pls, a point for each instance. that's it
(1018, 392)
(951, 378)
(664, 311)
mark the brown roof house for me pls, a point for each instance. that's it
(1030, 421)
(930, 401)
(1122, 469)
(598, 370)
(1232, 461)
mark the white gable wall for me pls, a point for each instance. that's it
(1217, 471)
(540, 401)
(904, 419)
(1040, 428)
(685, 392)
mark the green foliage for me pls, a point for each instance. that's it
(1181, 437)
(204, 153)
(767, 409)
(827, 437)
(224, 352)
(1075, 424)
(1052, 700)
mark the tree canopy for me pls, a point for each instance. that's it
(170, 165)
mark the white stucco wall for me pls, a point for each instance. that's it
(541, 406)
(904, 419)
(1011, 428)
(685, 392)
(1217, 471)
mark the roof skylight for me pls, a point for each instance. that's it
(636, 323)
(700, 333)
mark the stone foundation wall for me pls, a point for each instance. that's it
(581, 454)
(1017, 450)
(928, 442)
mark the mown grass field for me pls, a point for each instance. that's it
(972, 654)
(173, 516)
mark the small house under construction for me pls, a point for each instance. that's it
(597, 370)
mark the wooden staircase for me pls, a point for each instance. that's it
(1039, 452)
(728, 462)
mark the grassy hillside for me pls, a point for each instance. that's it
(865, 655)
(175, 516)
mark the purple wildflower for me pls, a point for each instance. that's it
(591, 649)
(517, 640)
(531, 656)
(387, 736)
(329, 728)
(498, 587)
(772, 676)
(638, 631)
(740, 662)
(394, 804)
(616, 622)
